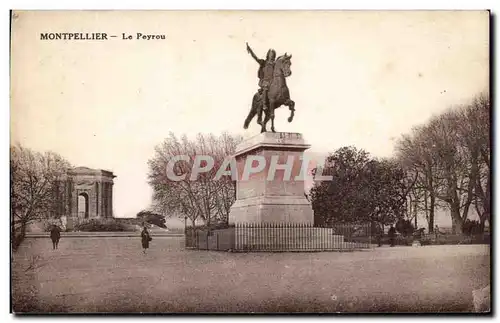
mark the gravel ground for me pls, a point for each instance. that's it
(88, 275)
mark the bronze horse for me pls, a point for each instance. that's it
(278, 95)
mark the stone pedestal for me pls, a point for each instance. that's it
(276, 199)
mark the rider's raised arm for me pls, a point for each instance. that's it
(250, 51)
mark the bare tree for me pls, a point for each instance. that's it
(452, 155)
(473, 127)
(34, 177)
(416, 154)
(203, 199)
(224, 189)
(453, 167)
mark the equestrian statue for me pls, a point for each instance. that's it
(273, 91)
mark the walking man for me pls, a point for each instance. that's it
(436, 233)
(392, 235)
(55, 236)
(145, 239)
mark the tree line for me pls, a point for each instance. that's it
(444, 163)
(450, 159)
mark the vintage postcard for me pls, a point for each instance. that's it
(250, 162)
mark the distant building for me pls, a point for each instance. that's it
(84, 193)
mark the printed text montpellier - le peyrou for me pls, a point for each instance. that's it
(99, 36)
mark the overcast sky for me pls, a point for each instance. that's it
(359, 78)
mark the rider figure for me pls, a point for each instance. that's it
(265, 74)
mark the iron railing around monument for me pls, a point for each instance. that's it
(282, 237)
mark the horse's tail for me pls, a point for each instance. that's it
(247, 122)
(253, 111)
(249, 119)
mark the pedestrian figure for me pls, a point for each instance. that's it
(55, 236)
(436, 233)
(380, 236)
(392, 235)
(145, 238)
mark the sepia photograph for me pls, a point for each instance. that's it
(250, 161)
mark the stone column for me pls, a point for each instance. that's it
(96, 199)
(110, 214)
(106, 198)
(102, 199)
(92, 202)
(74, 203)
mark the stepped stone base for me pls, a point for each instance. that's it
(272, 209)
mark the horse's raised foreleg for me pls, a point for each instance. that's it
(291, 105)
